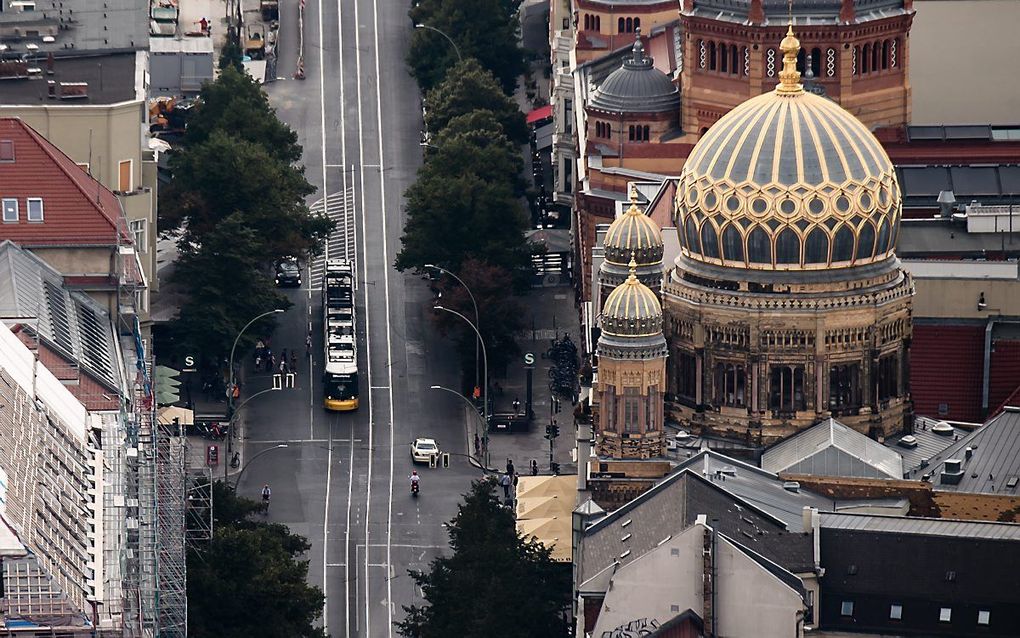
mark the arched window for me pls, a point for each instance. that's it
(734, 66)
(620, 25)
(816, 248)
(843, 247)
(724, 58)
(598, 129)
(866, 59)
(866, 241)
(711, 56)
(883, 237)
(630, 25)
(692, 236)
(637, 23)
(786, 388)
(844, 387)
(729, 385)
(885, 55)
(709, 240)
(759, 248)
(630, 133)
(609, 130)
(598, 23)
(587, 21)
(733, 244)
(644, 133)
(816, 62)
(801, 56)
(788, 247)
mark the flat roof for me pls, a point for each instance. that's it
(78, 25)
(956, 269)
(111, 78)
(927, 526)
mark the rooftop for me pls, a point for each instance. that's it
(805, 12)
(67, 27)
(930, 443)
(993, 466)
(830, 448)
(111, 78)
(908, 525)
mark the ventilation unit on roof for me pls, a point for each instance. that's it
(908, 441)
(942, 428)
(791, 486)
(952, 472)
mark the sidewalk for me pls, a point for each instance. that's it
(550, 313)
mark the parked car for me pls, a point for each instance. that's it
(423, 449)
(288, 273)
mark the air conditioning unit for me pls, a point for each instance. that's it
(952, 472)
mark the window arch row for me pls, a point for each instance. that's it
(628, 25)
(723, 57)
(876, 57)
(592, 22)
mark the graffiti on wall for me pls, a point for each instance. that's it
(633, 629)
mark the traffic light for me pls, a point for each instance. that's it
(432, 461)
(556, 405)
(446, 459)
(548, 430)
(555, 431)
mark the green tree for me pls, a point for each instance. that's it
(494, 584)
(483, 29)
(223, 175)
(500, 314)
(236, 104)
(469, 87)
(249, 580)
(230, 55)
(475, 137)
(226, 285)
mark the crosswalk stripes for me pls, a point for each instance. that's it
(343, 240)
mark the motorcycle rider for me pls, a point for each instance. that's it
(414, 480)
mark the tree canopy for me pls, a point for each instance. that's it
(483, 29)
(470, 87)
(235, 103)
(227, 286)
(249, 579)
(494, 584)
(224, 174)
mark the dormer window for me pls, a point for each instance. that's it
(10, 208)
(35, 209)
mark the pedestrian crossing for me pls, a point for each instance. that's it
(343, 240)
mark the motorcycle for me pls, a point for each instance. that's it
(414, 489)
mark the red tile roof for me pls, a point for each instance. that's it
(936, 349)
(77, 210)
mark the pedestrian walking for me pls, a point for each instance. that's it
(517, 478)
(510, 467)
(283, 365)
(534, 467)
(283, 355)
(478, 444)
(270, 362)
(517, 406)
(504, 481)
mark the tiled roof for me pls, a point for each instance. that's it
(71, 322)
(77, 209)
(830, 448)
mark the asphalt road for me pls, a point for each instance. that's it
(342, 480)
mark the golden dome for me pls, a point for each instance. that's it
(788, 180)
(633, 235)
(632, 309)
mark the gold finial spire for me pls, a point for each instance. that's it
(789, 77)
(633, 268)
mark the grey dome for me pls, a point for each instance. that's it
(637, 87)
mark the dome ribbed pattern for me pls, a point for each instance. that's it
(633, 234)
(637, 87)
(632, 310)
(788, 180)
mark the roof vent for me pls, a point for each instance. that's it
(942, 428)
(968, 452)
(728, 470)
(924, 463)
(908, 441)
(791, 486)
(952, 472)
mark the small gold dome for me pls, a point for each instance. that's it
(632, 309)
(788, 180)
(633, 234)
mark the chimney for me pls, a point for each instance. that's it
(968, 452)
(756, 12)
(952, 472)
(847, 12)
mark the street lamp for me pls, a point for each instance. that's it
(442, 33)
(485, 387)
(230, 387)
(473, 409)
(237, 482)
(230, 425)
(473, 303)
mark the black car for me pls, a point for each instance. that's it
(288, 273)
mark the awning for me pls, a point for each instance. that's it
(562, 486)
(542, 507)
(539, 114)
(553, 532)
(167, 415)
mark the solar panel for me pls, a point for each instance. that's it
(59, 320)
(925, 180)
(969, 132)
(94, 341)
(1009, 177)
(924, 132)
(969, 181)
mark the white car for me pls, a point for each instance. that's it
(424, 449)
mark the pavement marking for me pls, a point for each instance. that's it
(386, 294)
(336, 564)
(278, 441)
(380, 387)
(325, 209)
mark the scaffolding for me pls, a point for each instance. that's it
(199, 523)
(171, 488)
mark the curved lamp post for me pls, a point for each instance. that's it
(230, 387)
(463, 398)
(485, 376)
(230, 425)
(237, 482)
(442, 33)
(474, 304)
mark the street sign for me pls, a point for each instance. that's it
(189, 364)
(212, 455)
(529, 359)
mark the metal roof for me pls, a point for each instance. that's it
(33, 294)
(636, 87)
(994, 463)
(930, 445)
(830, 448)
(924, 526)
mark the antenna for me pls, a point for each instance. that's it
(789, 10)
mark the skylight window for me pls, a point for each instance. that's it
(35, 209)
(10, 207)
